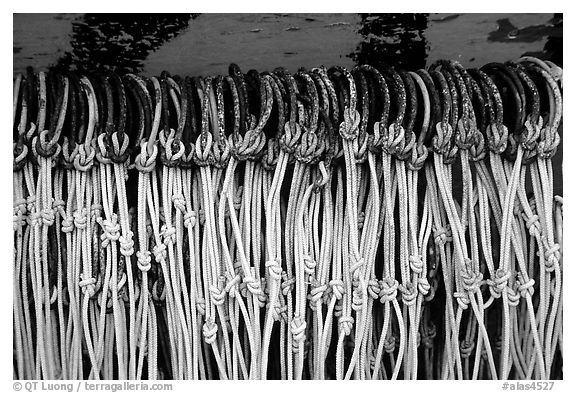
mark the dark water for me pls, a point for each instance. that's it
(201, 44)
(207, 43)
(120, 41)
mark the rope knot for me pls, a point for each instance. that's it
(31, 203)
(279, 312)
(549, 143)
(390, 344)
(84, 159)
(119, 147)
(35, 219)
(201, 306)
(393, 139)
(428, 337)
(187, 159)
(373, 288)
(409, 293)
(20, 206)
(18, 221)
(322, 178)
(404, 149)
(360, 148)
(337, 288)
(44, 147)
(317, 292)
(159, 251)
(470, 279)
(96, 210)
(309, 264)
(47, 216)
(442, 235)
(168, 233)
(119, 285)
(221, 153)
(217, 293)
(478, 150)
(432, 290)
(530, 133)
(282, 310)
(270, 157)
(51, 297)
(388, 289)
(287, 284)
(466, 348)
(145, 162)
(257, 141)
(345, 323)
(67, 224)
(513, 296)
(355, 267)
(158, 294)
(423, 286)
(173, 149)
(57, 205)
(237, 202)
(274, 268)
(552, 257)
(525, 285)
(361, 219)
(498, 343)
(497, 138)
(289, 139)
(466, 130)
(298, 330)
(249, 146)
(517, 209)
(498, 283)
(357, 296)
(210, 331)
(201, 216)
(179, 202)
(190, 219)
(127, 245)
(309, 148)
(88, 285)
(253, 284)
(338, 310)
(533, 225)
(81, 218)
(232, 284)
(203, 150)
(144, 259)
(102, 149)
(416, 263)
(418, 157)
(441, 141)
(349, 127)
(20, 151)
(262, 297)
(238, 268)
(376, 140)
(463, 299)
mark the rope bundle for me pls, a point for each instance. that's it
(366, 224)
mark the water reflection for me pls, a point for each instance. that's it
(553, 47)
(119, 42)
(397, 39)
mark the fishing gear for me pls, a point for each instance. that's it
(370, 223)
